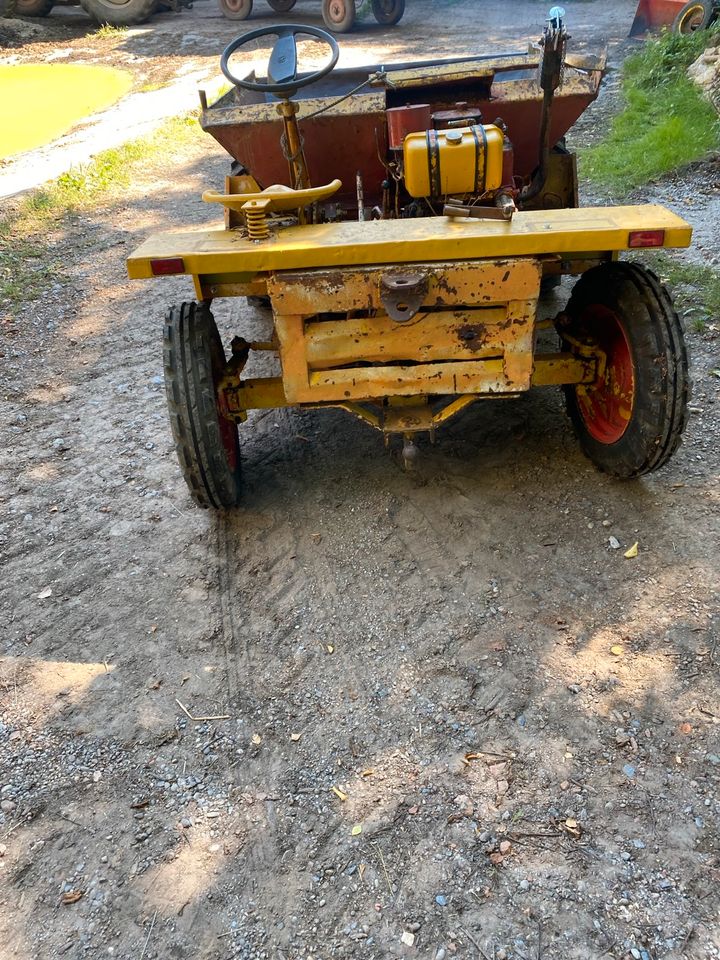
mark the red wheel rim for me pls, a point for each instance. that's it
(228, 434)
(228, 428)
(607, 404)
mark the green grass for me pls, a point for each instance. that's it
(108, 31)
(699, 286)
(27, 264)
(665, 123)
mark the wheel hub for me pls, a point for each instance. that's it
(607, 404)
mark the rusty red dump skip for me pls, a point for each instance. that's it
(653, 15)
(352, 136)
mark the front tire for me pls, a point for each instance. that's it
(236, 9)
(388, 12)
(206, 442)
(120, 14)
(339, 15)
(696, 15)
(630, 420)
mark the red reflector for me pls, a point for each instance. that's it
(646, 238)
(167, 265)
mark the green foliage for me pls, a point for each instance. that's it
(26, 263)
(665, 124)
(698, 284)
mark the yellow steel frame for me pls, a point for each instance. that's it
(472, 336)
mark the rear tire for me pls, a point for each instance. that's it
(696, 15)
(339, 15)
(236, 9)
(33, 8)
(630, 420)
(388, 12)
(206, 442)
(119, 14)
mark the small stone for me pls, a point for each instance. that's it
(524, 885)
(713, 758)
(413, 927)
(503, 787)
(441, 954)
(629, 771)
(407, 938)
(614, 543)
(441, 900)
(7, 806)
(505, 847)
(3, 849)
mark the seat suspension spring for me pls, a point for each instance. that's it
(257, 225)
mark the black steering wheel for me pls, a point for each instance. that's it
(282, 68)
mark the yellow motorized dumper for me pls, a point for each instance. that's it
(405, 287)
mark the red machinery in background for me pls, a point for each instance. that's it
(681, 16)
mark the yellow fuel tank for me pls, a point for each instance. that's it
(464, 160)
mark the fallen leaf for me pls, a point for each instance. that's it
(44, 594)
(340, 794)
(572, 828)
(632, 552)
(412, 811)
(356, 830)
(367, 773)
(617, 650)
(257, 739)
(295, 737)
(72, 896)
(496, 859)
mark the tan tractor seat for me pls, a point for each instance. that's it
(274, 199)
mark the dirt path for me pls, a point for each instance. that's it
(361, 628)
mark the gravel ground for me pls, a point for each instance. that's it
(372, 714)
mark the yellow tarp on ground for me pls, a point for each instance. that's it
(41, 102)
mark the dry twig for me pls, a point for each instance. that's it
(225, 716)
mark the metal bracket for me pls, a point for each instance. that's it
(402, 294)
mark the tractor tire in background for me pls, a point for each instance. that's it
(630, 420)
(206, 442)
(388, 12)
(124, 13)
(236, 9)
(282, 6)
(696, 15)
(339, 15)
(33, 8)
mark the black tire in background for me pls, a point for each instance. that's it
(339, 15)
(695, 15)
(125, 13)
(33, 8)
(630, 421)
(206, 443)
(236, 9)
(388, 12)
